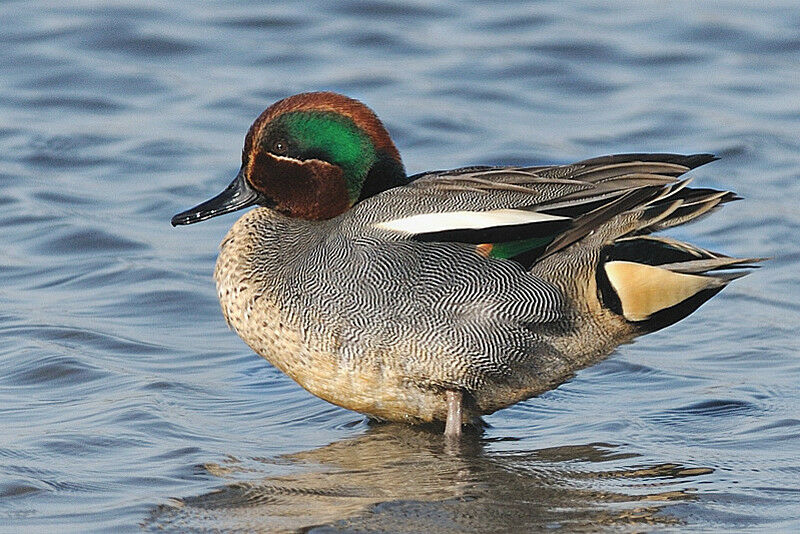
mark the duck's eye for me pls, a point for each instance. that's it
(280, 147)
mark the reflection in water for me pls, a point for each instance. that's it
(396, 478)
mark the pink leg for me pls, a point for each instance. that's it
(452, 427)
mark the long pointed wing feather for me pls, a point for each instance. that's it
(565, 202)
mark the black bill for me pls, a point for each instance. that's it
(236, 196)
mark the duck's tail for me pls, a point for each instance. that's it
(654, 282)
(649, 281)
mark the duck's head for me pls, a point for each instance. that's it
(310, 156)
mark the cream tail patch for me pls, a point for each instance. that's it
(644, 289)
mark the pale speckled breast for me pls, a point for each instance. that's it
(253, 306)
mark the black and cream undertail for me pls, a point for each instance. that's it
(496, 282)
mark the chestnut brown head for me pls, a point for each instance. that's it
(310, 156)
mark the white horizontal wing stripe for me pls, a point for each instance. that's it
(457, 220)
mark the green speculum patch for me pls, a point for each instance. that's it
(510, 249)
(336, 139)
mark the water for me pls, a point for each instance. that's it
(125, 402)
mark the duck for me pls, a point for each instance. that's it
(445, 296)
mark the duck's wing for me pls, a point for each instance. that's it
(528, 213)
(582, 227)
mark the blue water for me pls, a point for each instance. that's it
(126, 403)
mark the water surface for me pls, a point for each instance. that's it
(127, 405)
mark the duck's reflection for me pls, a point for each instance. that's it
(396, 478)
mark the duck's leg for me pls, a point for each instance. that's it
(452, 428)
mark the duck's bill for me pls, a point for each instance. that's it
(236, 196)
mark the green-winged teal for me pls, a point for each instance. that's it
(450, 294)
